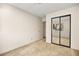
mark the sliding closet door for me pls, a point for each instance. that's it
(61, 30)
(65, 30)
(55, 30)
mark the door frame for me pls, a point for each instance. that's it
(60, 32)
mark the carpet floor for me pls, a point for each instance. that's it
(41, 48)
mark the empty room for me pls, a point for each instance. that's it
(39, 29)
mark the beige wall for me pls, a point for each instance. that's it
(74, 11)
(17, 28)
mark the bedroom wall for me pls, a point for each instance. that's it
(74, 11)
(18, 28)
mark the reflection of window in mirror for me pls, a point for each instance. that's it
(54, 26)
(61, 27)
(58, 27)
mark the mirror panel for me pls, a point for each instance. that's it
(65, 22)
(55, 30)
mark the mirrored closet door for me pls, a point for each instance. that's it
(61, 30)
(55, 31)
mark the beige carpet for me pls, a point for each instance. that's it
(64, 41)
(41, 48)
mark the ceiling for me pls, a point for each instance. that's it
(41, 9)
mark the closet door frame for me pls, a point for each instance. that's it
(60, 31)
